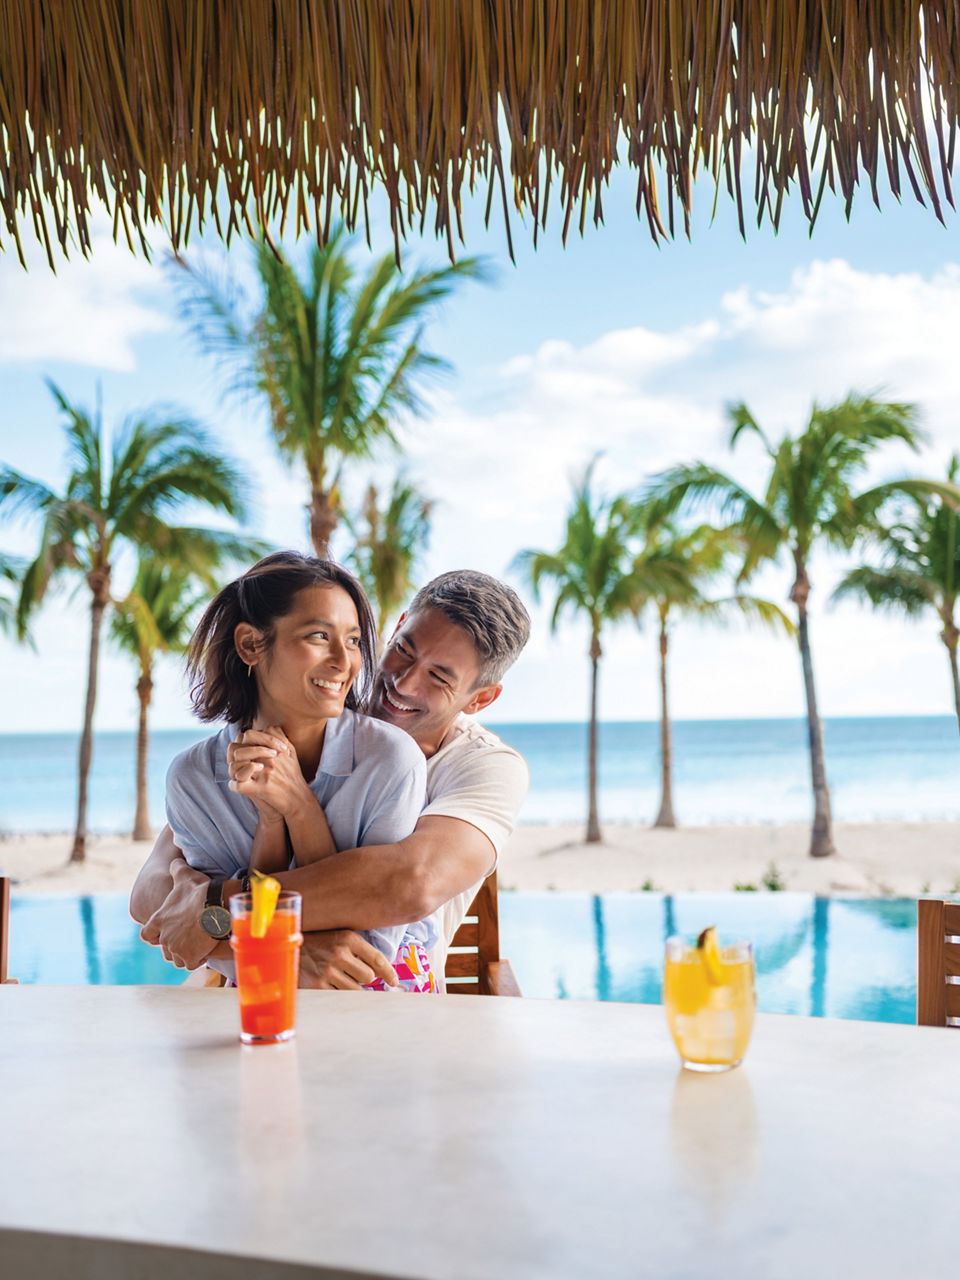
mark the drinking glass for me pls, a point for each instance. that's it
(267, 969)
(710, 1003)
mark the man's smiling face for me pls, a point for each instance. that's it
(428, 675)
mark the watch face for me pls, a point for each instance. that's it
(215, 921)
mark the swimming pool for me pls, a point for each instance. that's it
(825, 957)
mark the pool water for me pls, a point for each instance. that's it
(825, 957)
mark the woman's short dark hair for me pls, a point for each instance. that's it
(220, 685)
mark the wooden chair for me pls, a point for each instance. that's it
(5, 928)
(474, 964)
(938, 963)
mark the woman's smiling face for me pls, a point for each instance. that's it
(310, 667)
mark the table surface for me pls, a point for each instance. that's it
(464, 1136)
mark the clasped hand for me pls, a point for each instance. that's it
(264, 766)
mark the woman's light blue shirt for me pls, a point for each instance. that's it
(371, 784)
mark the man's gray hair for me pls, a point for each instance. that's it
(491, 613)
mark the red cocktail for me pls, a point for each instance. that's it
(267, 969)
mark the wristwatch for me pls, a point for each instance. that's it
(215, 918)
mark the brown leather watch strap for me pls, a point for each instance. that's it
(215, 892)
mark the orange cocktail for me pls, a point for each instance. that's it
(267, 969)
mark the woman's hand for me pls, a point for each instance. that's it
(264, 766)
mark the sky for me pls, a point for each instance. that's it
(610, 345)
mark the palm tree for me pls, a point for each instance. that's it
(920, 566)
(809, 498)
(11, 570)
(337, 363)
(155, 617)
(669, 575)
(114, 497)
(388, 548)
(590, 572)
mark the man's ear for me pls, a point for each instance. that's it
(246, 640)
(482, 698)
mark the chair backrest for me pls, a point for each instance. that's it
(938, 963)
(4, 925)
(474, 965)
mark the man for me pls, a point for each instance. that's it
(444, 663)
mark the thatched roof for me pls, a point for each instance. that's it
(259, 111)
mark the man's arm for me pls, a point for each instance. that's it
(385, 884)
(166, 900)
(154, 879)
(364, 888)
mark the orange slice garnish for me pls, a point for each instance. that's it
(265, 892)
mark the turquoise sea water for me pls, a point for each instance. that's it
(883, 768)
(832, 957)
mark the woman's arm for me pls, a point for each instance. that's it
(264, 766)
(270, 853)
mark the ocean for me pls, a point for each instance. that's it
(903, 768)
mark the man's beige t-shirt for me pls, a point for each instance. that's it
(477, 778)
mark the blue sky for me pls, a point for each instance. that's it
(610, 343)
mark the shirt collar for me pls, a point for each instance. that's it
(336, 758)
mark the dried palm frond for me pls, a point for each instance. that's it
(289, 113)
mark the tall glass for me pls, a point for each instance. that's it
(710, 1003)
(267, 969)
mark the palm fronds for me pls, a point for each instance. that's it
(336, 363)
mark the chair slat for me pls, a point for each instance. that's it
(477, 968)
(951, 918)
(462, 965)
(951, 1001)
(951, 961)
(468, 935)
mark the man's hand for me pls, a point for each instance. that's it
(342, 959)
(174, 927)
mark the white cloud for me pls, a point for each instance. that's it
(89, 313)
(837, 329)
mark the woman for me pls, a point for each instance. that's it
(286, 656)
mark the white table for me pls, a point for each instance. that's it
(464, 1137)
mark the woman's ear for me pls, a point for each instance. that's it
(247, 640)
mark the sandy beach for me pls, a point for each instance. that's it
(873, 859)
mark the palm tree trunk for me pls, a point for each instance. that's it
(821, 837)
(665, 817)
(141, 819)
(99, 583)
(593, 821)
(324, 518)
(950, 636)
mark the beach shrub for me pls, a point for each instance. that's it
(772, 879)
